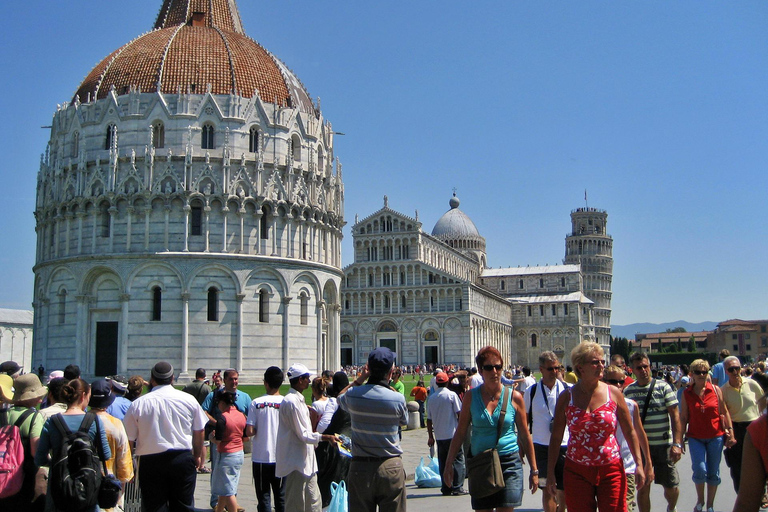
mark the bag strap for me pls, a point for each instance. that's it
(4, 417)
(88, 420)
(503, 411)
(26, 414)
(530, 406)
(61, 426)
(100, 447)
(647, 400)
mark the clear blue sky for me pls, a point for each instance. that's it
(658, 109)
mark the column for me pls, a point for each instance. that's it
(207, 212)
(112, 214)
(187, 209)
(319, 314)
(122, 348)
(286, 347)
(167, 235)
(184, 335)
(147, 213)
(258, 216)
(128, 228)
(82, 341)
(93, 231)
(224, 212)
(241, 216)
(80, 214)
(68, 218)
(240, 328)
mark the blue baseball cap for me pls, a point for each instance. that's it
(381, 358)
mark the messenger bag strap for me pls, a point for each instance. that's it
(503, 411)
(100, 447)
(647, 400)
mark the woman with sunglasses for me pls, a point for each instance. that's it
(482, 407)
(708, 424)
(594, 470)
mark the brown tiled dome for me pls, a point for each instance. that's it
(196, 43)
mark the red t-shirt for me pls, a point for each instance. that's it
(232, 440)
(703, 413)
(758, 432)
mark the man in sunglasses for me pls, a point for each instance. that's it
(660, 416)
(740, 396)
(540, 401)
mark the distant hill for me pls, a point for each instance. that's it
(628, 331)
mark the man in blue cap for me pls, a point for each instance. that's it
(376, 475)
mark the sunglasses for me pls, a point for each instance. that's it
(734, 369)
(597, 362)
(615, 382)
(491, 367)
(700, 373)
(553, 369)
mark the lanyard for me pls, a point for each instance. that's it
(546, 398)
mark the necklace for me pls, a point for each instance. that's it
(490, 397)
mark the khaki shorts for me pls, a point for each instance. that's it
(663, 467)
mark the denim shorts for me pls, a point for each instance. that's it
(512, 494)
(226, 474)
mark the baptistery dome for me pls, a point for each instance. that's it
(189, 208)
(196, 45)
(457, 230)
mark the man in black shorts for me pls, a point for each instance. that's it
(540, 401)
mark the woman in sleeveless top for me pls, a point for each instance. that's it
(482, 405)
(705, 418)
(594, 471)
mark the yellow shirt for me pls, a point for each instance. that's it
(742, 402)
(571, 378)
(121, 463)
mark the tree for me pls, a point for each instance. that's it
(692, 343)
(677, 329)
(673, 348)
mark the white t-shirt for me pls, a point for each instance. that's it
(543, 410)
(443, 408)
(475, 381)
(526, 383)
(264, 416)
(629, 462)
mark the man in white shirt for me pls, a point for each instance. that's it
(262, 423)
(540, 401)
(444, 407)
(296, 443)
(166, 426)
(476, 379)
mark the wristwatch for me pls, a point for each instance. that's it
(535, 472)
(677, 445)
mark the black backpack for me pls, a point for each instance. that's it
(75, 475)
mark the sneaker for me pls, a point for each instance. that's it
(710, 509)
(699, 507)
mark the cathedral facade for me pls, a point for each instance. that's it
(189, 209)
(432, 298)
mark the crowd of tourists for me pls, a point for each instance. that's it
(590, 436)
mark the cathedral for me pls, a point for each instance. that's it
(432, 298)
(189, 208)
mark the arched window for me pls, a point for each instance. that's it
(253, 139)
(196, 220)
(207, 141)
(320, 159)
(263, 306)
(503, 284)
(105, 223)
(520, 284)
(534, 341)
(213, 304)
(263, 226)
(62, 306)
(386, 301)
(157, 303)
(111, 136)
(296, 148)
(158, 134)
(75, 144)
(304, 300)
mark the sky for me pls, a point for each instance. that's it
(657, 109)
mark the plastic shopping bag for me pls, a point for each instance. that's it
(428, 475)
(339, 501)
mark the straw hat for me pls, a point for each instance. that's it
(28, 387)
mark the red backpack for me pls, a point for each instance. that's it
(11, 454)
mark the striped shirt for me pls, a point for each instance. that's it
(376, 413)
(657, 424)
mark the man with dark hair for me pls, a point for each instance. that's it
(72, 371)
(376, 475)
(198, 388)
(660, 416)
(296, 443)
(166, 426)
(54, 400)
(444, 407)
(211, 407)
(263, 421)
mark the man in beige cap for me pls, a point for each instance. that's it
(28, 393)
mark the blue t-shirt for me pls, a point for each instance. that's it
(119, 407)
(51, 440)
(242, 402)
(484, 425)
(718, 372)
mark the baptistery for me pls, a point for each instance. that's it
(189, 208)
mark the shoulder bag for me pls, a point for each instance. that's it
(484, 469)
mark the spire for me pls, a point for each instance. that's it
(222, 14)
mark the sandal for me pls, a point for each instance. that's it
(764, 503)
(204, 470)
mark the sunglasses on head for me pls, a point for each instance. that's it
(734, 369)
(491, 367)
(700, 372)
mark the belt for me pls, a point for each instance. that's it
(373, 459)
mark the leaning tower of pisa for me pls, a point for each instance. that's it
(590, 245)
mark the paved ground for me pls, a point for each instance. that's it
(429, 500)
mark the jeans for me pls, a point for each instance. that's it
(422, 413)
(705, 459)
(265, 480)
(443, 445)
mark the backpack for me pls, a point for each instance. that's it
(12, 454)
(75, 475)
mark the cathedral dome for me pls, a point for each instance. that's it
(196, 44)
(455, 223)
